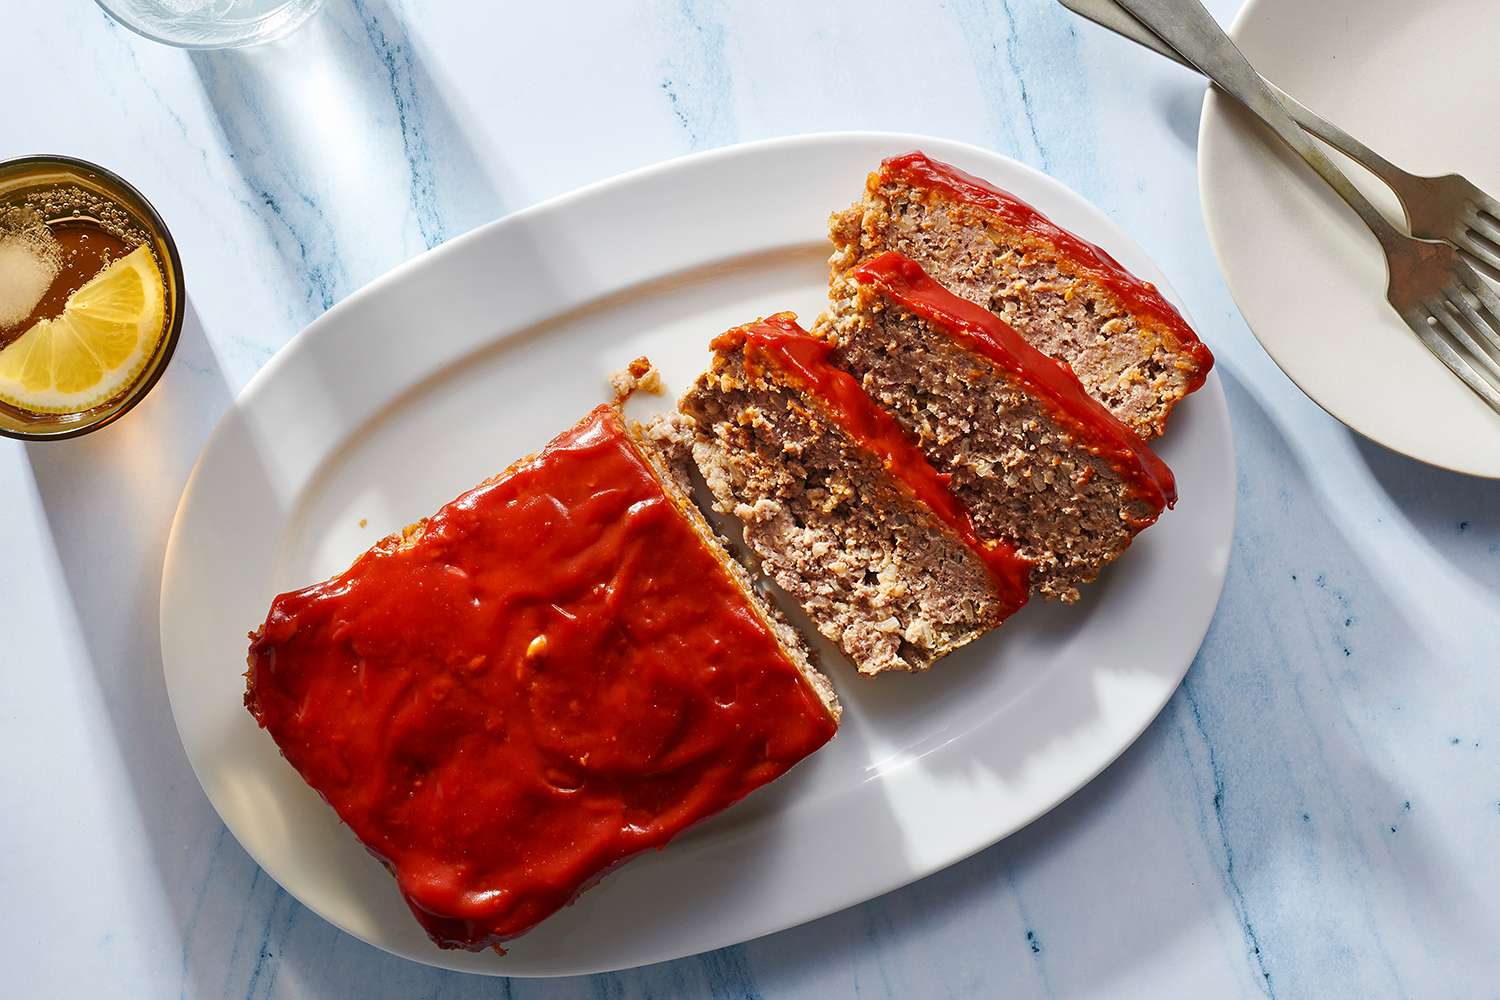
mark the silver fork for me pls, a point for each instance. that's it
(1450, 208)
(1447, 305)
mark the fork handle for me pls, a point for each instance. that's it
(1109, 14)
(1191, 30)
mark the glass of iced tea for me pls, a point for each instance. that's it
(91, 297)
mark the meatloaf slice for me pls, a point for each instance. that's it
(556, 671)
(845, 513)
(1037, 462)
(1070, 299)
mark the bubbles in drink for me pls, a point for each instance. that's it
(63, 233)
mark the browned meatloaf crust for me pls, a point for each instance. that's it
(875, 570)
(1070, 299)
(1027, 469)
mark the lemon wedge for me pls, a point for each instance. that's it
(106, 335)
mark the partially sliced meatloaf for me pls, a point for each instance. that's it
(845, 513)
(1070, 299)
(556, 671)
(1037, 462)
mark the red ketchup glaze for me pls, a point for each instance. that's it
(1138, 297)
(557, 675)
(805, 361)
(1047, 379)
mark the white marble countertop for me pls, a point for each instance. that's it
(1315, 813)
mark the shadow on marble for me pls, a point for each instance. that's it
(471, 186)
(1459, 515)
(347, 148)
(1284, 710)
(966, 897)
(1181, 103)
(123, 481)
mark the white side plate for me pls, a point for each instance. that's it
(460, 361)
(1416, 82)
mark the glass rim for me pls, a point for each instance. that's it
(168, 345)
(128, 23)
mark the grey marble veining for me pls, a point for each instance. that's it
(1315, 813)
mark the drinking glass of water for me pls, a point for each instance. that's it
(210, 24)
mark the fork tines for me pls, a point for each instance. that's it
(1480, 238)
(1462, 327)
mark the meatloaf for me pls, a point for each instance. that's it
(1070, 299)
(1037, 462)
(557, 670)
(845, 513)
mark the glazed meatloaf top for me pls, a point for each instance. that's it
(805, 362)
(1035, 459)
(1053, 382)
(556, 671)
(846, 513)
(1128, 345)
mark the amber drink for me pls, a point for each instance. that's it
(90, 297)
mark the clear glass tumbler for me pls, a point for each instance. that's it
(210, 24)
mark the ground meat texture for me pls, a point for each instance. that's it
(873, 568)
(1133, 365)
(1020, 473)
(667, 441)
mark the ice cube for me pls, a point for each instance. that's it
(29, 259)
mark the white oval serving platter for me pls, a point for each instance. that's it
(463, 359)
